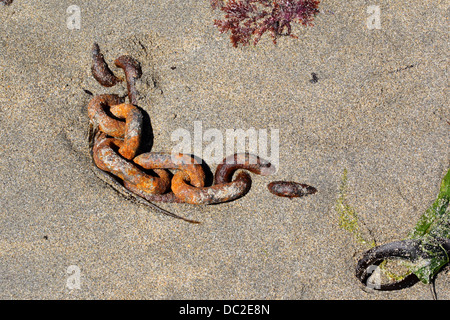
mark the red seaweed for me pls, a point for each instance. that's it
(249, 19)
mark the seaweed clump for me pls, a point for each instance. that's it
(248, 20)
(348, 217)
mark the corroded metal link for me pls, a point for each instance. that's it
(132, 70)
(410, 249)
(180, 161)
(107, 159)
(406, 249)
(209, 195)
(133, 128)
(247, 161)
(100, 69)
(224, 189)
(164, 160)
(98, 109)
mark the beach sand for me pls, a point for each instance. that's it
(379, 109)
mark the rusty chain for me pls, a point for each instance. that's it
(117, 140)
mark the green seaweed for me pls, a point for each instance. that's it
(348, 220)
(434, 224)
(348, 217)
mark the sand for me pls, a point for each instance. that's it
(379, 109)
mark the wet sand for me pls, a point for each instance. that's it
(379, 108)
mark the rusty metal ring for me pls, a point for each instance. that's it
(98, 111)
(133, 128)
(100, 69)
(132, 70)
(247, 161)
(179, 161)
(406, 249)
(224, 188)
(107, 159)
(164, 160)
(217, 193)
(411, 250)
